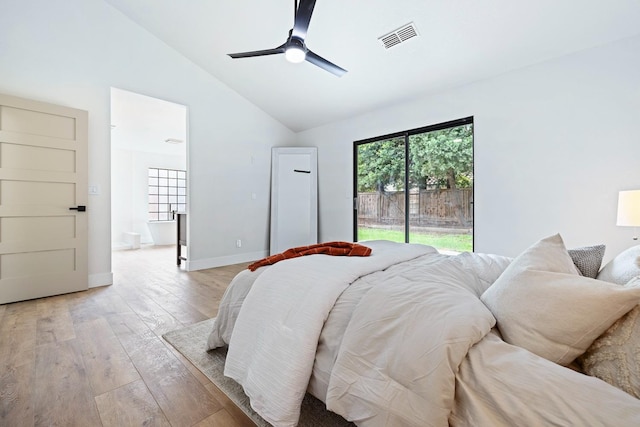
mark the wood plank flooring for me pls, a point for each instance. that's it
(97, 358)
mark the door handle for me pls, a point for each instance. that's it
(79, 208)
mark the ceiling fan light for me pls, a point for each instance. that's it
(295, 54)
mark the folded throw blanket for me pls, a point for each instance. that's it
(329, 248)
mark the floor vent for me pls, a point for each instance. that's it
(399, 36)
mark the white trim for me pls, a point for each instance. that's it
(224, 260)
(100, 279)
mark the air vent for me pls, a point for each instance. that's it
(399, 36)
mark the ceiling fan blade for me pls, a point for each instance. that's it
(303, 17)
(324, 64)
(277, 50)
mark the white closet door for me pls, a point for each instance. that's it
(294, 198)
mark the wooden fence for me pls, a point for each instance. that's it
(427, 208)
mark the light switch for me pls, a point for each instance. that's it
(94, 190)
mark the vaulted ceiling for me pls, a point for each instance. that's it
(459, 42)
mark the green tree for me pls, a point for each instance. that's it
(381, 165)
(444, 156)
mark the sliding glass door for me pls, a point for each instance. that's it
(417, 186)
(381, 190)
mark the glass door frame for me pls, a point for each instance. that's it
(406, 135)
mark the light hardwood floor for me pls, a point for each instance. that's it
(97, 358)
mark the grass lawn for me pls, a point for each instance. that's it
(451, 242)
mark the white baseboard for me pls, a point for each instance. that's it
(100, 279)
(202, 264)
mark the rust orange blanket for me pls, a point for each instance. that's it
(328, 248)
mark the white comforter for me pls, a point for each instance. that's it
(390, 373)
(409, 345)
(274, 340)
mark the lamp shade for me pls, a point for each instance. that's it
(629, 208)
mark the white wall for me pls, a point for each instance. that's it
(71, 53)
(554, 143)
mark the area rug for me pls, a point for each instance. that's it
(191, 343)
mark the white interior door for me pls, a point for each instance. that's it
(43, 176)
(294, 198)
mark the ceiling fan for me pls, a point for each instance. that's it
(294, 48)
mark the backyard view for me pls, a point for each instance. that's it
(418, 188)
(444, 241)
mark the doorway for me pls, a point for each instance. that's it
(417, 187)
(148, 170)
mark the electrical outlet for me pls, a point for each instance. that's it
(238, 243)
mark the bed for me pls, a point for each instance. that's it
(411, 337)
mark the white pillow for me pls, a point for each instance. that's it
(542, 304)
(622, 268)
